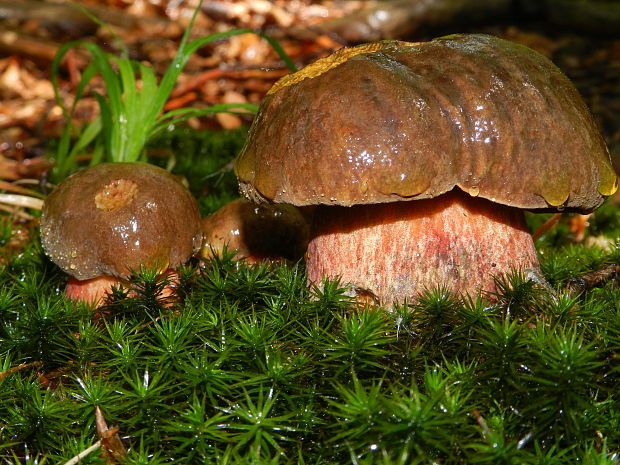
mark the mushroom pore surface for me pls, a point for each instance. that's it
(116, 217)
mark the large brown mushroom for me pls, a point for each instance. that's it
(104, 222)
(421, 158)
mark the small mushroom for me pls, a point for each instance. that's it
(104, 222)
(255, 232)
(420, 158)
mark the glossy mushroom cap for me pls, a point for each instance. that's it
(255, 232)
(400, 121)
(116, 217)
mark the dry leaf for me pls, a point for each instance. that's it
(111, 445)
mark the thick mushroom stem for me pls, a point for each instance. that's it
(395, 250)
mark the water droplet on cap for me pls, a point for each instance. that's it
(608, 188)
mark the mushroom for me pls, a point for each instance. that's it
(104, 222)
(255, 232)
(421, 158)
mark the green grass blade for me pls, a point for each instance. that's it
(55, 71)
(109, 75)
(183, 114)
(142, 122)
(127, 78)
(98, 153)
(89, 73)
(124, 135)
(66, 157)
(62, 153)
(149, 81)
(187, 49)
(87, 136)
(280, 51)
(106, 121)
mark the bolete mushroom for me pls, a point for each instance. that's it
(255, 232)
(421, 158)
(104, 222)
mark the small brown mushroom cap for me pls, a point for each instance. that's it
(116, 217)
(401, 121)
(255, 232)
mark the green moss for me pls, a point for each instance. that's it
(204, 158)
(254, 367)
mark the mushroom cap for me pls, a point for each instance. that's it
(392, 121)
(116, 217)
(256, 232)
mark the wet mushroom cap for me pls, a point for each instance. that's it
(116, 217)
(255, 232)
(395, 121)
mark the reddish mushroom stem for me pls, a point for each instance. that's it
(91, 290)
(96, 290)
(396, 250)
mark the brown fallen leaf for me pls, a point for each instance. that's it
(112, 449)
(8, 168)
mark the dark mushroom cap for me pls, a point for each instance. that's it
(116, 217)
(400, 121)
(255, 231)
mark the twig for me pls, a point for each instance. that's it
(10, 371)
(181, 101)
(592, 279)
(33, 182)
(21, 201)
(197, 81)
(84, 453)
(482, 423)
(546, 226)
(17, 212)
(17, 42)
(14, 187)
